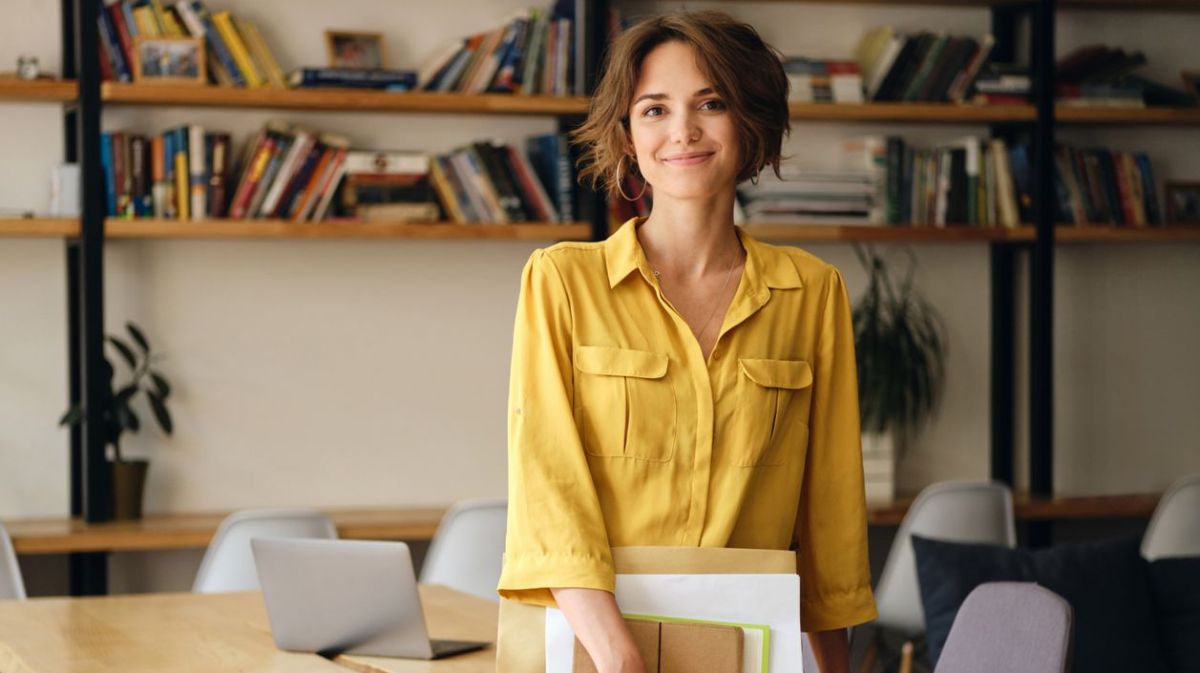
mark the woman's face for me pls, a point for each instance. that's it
(683, 135)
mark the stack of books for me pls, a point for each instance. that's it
(236, 52)
(186, 173)
(388, 186)
(1105, 76)
(809, 197)
(922, 66)
(1103, 186)
(535, 53)
(496, 183)
(823, 81)
(1003, 84)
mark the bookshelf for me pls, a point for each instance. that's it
(283, 229)
(37, 91)
(85, 285)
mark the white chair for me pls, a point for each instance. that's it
(1174, 529)
(228, 563)
(467, 550)
(1009, 627)
(11, 584)
(950, 511)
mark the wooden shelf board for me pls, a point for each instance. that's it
(1131, 5)
(921, 113)
(189, 531)
(1029, 508)
(221, 229)
(340, 99)
(38, 227)
(1099, 114)
(1103, 233)
(37, 91)
(837, 232)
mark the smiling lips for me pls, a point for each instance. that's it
(687, 158)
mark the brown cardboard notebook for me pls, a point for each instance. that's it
(645, 636)
(700, 648)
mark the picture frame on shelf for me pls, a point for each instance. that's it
(1183, 202)
(169, 60)
(354, 49)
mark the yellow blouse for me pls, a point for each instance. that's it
(620, 433)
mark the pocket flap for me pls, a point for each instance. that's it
(611, 361)
(793, 374)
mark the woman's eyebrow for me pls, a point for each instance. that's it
(662, 96)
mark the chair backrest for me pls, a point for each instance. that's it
(1174, 529)
(468, 548)
(1009, 627)
(11, 584)
(950, 511)
(228, 563)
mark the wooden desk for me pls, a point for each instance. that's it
(205, 633)
(184, 531)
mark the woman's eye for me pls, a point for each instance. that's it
(713, 105)
(652, 111)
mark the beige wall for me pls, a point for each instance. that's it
(373, 373)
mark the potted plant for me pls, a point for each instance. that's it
(118, 416)
(901, 351)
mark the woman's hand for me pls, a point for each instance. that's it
(597, 623)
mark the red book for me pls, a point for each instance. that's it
(251, 177)
(118, 19)
(1124, 189)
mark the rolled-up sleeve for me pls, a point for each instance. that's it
(556, 533)
(831, 524)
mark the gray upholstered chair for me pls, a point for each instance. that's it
(1174, 530)
(1009, 627)
(11, 584)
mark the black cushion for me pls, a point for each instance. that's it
(1176, 583)
(1107, 584)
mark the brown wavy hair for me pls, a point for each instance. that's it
(744, 70)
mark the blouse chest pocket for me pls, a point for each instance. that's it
(624, 405)
(773, 401)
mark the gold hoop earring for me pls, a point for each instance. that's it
(621, 179)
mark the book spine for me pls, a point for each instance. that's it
(250, 177)
(306, 198)
(468, 178)
(330, 186)
(565, 183)
(261, 51)
(288, 166)
(530, 186)
(158, 188)
(445, 193)
(236, 48)
(208, 30)
(283, 144)
(1149, 188)
(461, 190)
(197, 180)
(218, 176)
(300, 179)
(182, 175)
(124, 40)
(112, 45)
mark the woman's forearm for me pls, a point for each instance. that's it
(831, 649)
(597, 623)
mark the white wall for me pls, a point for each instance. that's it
(374, 373)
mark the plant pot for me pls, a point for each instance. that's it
(128, 487)
(879, 467)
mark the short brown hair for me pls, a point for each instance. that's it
(745, 71)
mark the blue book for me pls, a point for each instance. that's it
(355, 78)
(299, 181)
(130, 24)
(106, 165)
(1153, 216)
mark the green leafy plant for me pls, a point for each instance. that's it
(117, 414)
(900, 348)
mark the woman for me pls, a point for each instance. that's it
(681, 383)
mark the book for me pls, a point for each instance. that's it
(260, 53)
(197, 178)
(237, 49)
(360, 78)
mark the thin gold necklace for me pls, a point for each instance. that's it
(720, 294)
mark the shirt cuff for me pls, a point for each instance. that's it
(528, 578)
(837, 610)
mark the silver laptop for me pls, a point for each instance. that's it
(346, 597)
